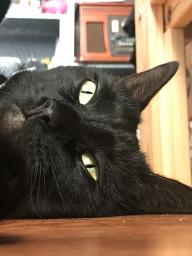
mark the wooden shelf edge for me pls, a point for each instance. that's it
(154, 2)
(177, 13)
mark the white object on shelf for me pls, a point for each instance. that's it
(103, 1)
(64, 52)
(25, 12)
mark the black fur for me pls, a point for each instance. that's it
(4, 5)
(57, 130)
(44, 131)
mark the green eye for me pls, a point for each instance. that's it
(90, 166)
(87, 91)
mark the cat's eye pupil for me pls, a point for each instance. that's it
(87, 91)
(90, 166)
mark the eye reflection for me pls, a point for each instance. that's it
(91, 166)
(87, 91)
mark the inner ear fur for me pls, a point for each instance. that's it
(145, 85)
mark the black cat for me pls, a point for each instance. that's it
(68, 146)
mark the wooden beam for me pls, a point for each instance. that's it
(174, 119)
(157, 1)
(149, 49)
(178, 13)
(164, 131)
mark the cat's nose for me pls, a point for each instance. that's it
(48, 112)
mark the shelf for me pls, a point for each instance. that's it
(30, 27)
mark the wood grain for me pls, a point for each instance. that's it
(164, 131)
(149, 48)
(157, 1)
(174, 119)
(119, 236)
(106, 9)
(178, 13)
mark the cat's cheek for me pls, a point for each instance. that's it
(12, 124)
(14, 119)
(14, 191)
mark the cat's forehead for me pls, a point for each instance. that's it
(76, 73)
(73, 73)
(66, 79)
(69, 74)
(68, 71)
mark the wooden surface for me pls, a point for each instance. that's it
(149, 53)
(157, 1)
(178, 13)
(164, 130)
(174, 119)
(121, 236)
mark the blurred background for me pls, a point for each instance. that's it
(50, 33)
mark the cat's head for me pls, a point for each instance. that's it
(75, 129)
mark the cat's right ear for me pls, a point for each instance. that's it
(145, 85)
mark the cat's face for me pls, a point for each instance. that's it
(75, 130)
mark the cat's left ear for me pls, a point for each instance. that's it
(145, 85)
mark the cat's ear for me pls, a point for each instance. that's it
(145, 85)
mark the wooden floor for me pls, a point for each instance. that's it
(131, 235)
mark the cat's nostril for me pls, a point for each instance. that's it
(46, 112)
(48, 104)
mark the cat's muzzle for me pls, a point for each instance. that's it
(48, 112)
